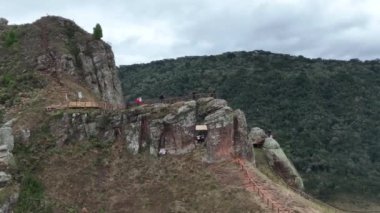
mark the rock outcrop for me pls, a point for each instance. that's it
(3, 23)
(99, 70)
(8, 189)
(75, 52)
(149, 128)
(281, 164)
(57, 46)
(256, 136)
(6, 144)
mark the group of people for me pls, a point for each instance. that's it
(139, 100)
(200, 138)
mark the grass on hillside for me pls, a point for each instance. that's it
(106, 178)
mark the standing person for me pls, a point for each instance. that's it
(138, 101)
(161, 145)
(194, 95)
(269, 134)
(162, 98)
(213, 94)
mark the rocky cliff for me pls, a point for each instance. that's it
(46, 62)
(56, 47)
(149, 128)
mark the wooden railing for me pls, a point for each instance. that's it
(270, 202)
(108, 106)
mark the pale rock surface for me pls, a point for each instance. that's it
(278, 160)
(256, 135)
(3, 22)
(149, 128)
(6, 144)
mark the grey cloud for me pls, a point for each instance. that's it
(145, 30)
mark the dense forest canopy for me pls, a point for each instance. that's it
(325, 113)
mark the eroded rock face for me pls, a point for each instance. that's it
(241, 142)
(179, 128)
(6, 145)
(8, 189)
(227, 130)
(281, 164)
(149, 128)
(100, 71)
(256, 135)
(68, 49)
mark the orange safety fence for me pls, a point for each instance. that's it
(312, 198)
(271, 203)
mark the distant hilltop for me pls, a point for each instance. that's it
(62, 50)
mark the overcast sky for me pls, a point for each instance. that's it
(144, 30)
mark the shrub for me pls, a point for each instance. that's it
(10, 38)
(31, 196)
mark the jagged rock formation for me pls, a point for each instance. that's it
(87, 59)
(256, 136)
(170, 126)
(281, 164)
(58, 47)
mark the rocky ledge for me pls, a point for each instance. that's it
(148, 128)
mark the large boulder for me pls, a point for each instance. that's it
(209, 105)
(278, 160)
(219, 140)
(179, 128)
(256, 136)
(242, 147)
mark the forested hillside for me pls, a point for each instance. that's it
(325, 113)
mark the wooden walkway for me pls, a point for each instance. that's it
(108, 106)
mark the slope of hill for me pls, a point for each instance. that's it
(66, 160)
(46, 62)
(325, 113)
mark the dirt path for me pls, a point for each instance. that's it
(271, 196)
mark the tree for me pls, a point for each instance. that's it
(98, 32)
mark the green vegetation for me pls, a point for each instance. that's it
(28, 158)
(11, 84)
(10, 38)
(31, 197)
(98, 32)
(325, 113)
